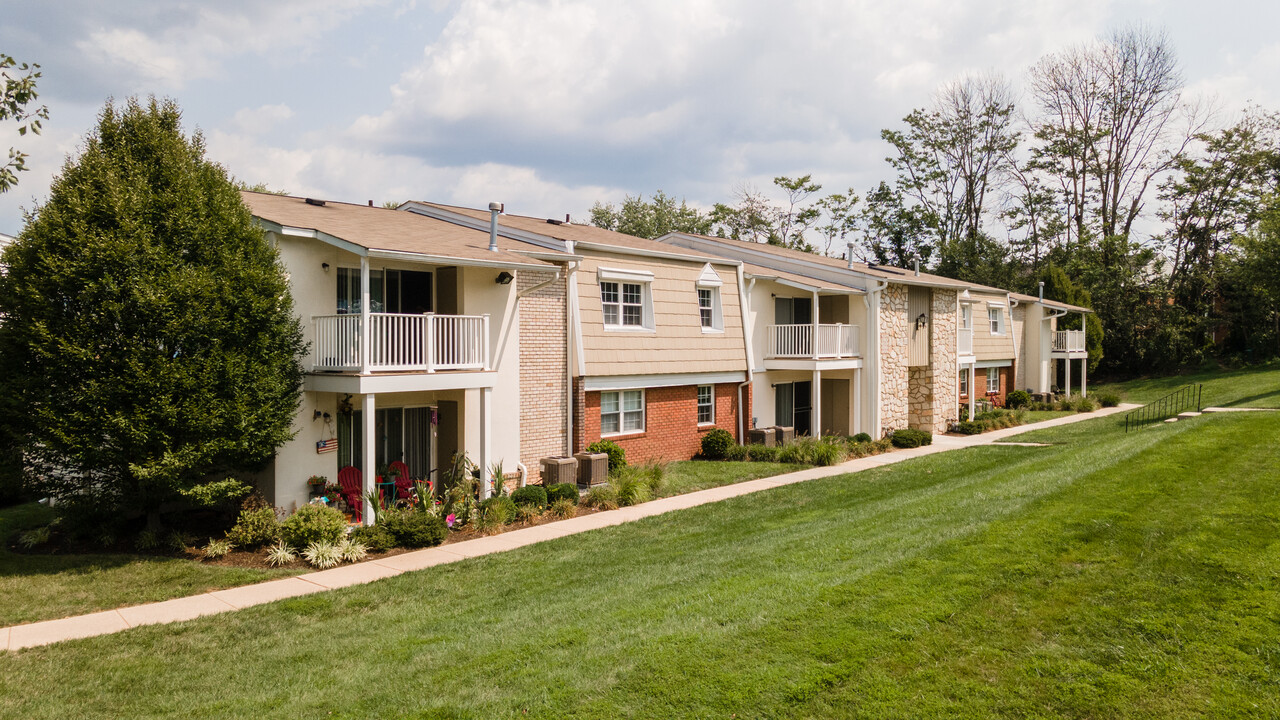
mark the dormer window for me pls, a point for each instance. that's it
(626, 299)
(710, 316)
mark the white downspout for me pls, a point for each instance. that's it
(744, 309)
(571, 339)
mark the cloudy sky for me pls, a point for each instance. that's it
(550, 106)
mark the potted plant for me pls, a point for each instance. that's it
(316, 485)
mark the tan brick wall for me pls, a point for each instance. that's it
(544, 364)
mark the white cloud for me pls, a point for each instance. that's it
(259, 120)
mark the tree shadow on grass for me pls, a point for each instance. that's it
(1273, 396)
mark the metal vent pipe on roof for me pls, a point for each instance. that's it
(916, 262)
(1042, 291)
(494, 209)
(850, 255)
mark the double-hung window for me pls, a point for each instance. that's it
(966, 317)
(625, 299)
(623, 303)
(710, 316)
(705, 309)
(706, 404)
(621, 411)
(995, 315)
(993, 380)
(964, 383)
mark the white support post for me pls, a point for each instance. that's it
(815, 403)
(369, 473)
(364, 316)
(483, 459)
(1067, 363)
(973, 388)
(1084, 372)
(814, 332)
(484, 332)
(857, 400)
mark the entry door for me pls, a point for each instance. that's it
(804, 408)
(784, 404)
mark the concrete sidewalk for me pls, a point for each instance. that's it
(220, 601)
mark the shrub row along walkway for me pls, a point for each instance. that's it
(110, 621)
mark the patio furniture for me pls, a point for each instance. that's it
(404, 485)
(350, 482)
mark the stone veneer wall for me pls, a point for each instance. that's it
(920, 398)
(544, 366)
(943, 362)
(894, 384)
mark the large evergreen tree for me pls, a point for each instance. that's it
(148, 341)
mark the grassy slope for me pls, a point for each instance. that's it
(1251, 387)
(1109, 576)
(40, 587)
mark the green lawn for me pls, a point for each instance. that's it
(41, 587)
(691, 475)
(1110, 575)
(1251, 387)
(1035, 416)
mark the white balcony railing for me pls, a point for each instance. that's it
(796, 341)
(965, 341)
(401, 343)
(1068, 341)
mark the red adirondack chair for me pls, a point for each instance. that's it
(404, 485)
(351, 483)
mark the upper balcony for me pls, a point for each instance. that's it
(1065, 343)
(399, 343)
(797, 343)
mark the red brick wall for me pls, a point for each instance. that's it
(671, 421)
(980, 381)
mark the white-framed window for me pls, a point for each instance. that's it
(995, 315)
(964, 382)
(623, 303)
(706, 404)
(993, 380)
(966, 317)
(626, 300)
(621, 412)
(708, 287)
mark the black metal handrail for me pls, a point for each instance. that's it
(1178, 401)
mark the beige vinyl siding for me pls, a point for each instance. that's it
(985, 345)
(677, 344)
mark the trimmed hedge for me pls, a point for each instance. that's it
(255, 528)
(313, 523)
(413, 528)
(534, 495)
(562, 491)
(375, 538)
(862, 438)
(716, 444)
(910, 438)
(1017, 399)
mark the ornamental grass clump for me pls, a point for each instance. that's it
(352, 551)
(564, 508)
(217, 548)
(1108, 399)
(323, 555)
(601, 497)
(280, 554)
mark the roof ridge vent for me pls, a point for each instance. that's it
(313, 201)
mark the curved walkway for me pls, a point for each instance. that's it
(46, 632)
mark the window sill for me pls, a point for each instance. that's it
(704, 427)
(626, 329)
(627, 434)
(712, 331)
